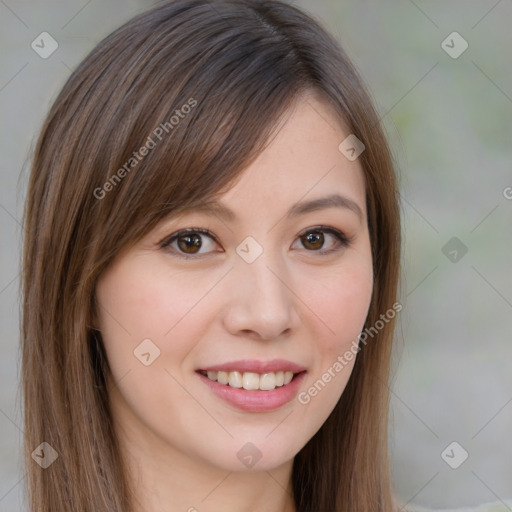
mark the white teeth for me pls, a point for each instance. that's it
(268, 381)
(235, 379)
(222, 377)
(251, 380)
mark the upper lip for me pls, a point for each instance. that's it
(255, 366)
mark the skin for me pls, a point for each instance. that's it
(179, 440)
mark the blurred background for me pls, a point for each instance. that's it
(441, 77)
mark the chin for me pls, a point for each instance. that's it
(253, 455)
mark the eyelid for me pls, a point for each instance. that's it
(170, 238)
(327, 229)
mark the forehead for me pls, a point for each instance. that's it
(301, 162)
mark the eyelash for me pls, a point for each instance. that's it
(342, 240)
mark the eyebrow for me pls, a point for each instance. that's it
(299, 208)
(332, 201)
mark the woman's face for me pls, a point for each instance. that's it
(207, 318)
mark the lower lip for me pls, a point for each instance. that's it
(256, 400)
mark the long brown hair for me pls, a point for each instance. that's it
(201, 85)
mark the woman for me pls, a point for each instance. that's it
(210, 272)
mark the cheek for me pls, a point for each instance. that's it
(339, 304)
(346, 305)
(144, 312)
(135, 304)
(340, 301)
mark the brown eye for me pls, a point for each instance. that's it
(322, 240)
(190, 243)
(313, 240)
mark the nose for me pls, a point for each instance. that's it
(262, 302)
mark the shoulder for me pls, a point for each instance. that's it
(497, 506)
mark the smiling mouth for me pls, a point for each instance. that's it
(251, 381)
